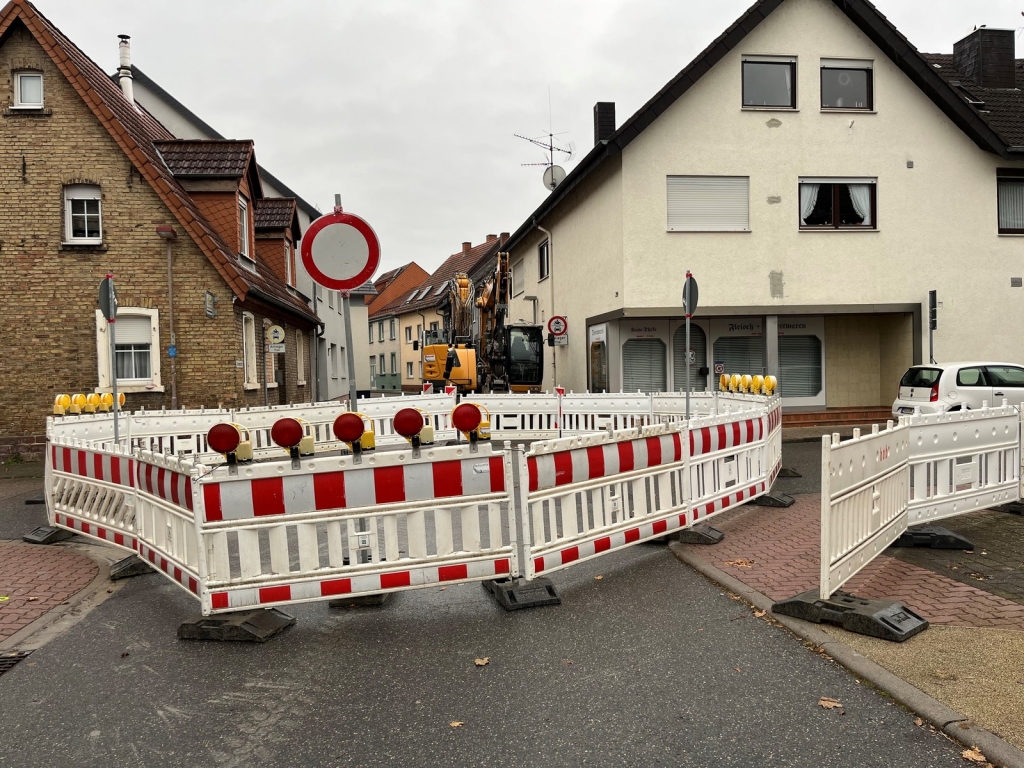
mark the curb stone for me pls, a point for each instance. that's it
(952, 723)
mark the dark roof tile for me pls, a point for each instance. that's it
(206, 157)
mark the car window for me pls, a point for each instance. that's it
(970, 377)
(1005, 375)
(920, 377)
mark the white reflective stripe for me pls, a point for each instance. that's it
(580, 465)
(611, 460)
(639, 454)
(298, 493)
(545, 471)
(368, 583)
(306, 590)
(419, 482)
(476, 476)
(359, 488)
(169, 478)
(236, 500)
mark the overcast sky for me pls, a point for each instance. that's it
(407, 108)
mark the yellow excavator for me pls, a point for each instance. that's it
(505, 357)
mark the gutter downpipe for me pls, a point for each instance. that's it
(551, 281)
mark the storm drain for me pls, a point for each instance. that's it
(8, 660)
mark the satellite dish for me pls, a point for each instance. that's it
(553, 176)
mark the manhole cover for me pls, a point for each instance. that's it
(8, 660)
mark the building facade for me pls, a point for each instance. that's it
(384, 337)
(819, 176)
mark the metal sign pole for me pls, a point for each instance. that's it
(113, 360)
(687, 366)
(350, 354)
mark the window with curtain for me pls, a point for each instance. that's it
(133, 347)
(838, 204)
(1011, 203)
(769, 83)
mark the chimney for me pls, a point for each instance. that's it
(986, 58)
(467, 247)
(124, 72)
(604, 121)
(503, 237)
(491, 238)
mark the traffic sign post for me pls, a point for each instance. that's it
(689, 306)
(558, 325)
(108, 306)
(340, 252)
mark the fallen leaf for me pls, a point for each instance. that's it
(741, 562)
(918, 721)
(968, 551)
(984, 552)
(829, 703)
(4, 598)
(759, 614)
(125, 655)
(483, 662)
(456, 723)
(974, 755)
(568, 662)
(31, 599)
(442, 589)
(598, 578)
(737, 669)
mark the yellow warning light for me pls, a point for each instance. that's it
(770, 384)
(92, 400)
(734, 382)
(757, 384)
(745, 382)
(61, 403)
(723, 382)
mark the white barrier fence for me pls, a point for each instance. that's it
(925, 469)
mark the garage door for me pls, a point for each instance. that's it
(699, 345)
(799, 366)
(741, 354)
(643, 366)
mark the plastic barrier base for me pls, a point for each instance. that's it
(885, 619)
(932, 536)
(702, 533)
(245, 626)
(774, 499)
(129, 566)
(1014, 507)
(518, 593)
(363, 601)
(47, 534)
(789, 472)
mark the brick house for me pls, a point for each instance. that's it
(385, 346)
(86, 179)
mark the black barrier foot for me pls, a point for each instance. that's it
(1014, 507)
(128, 567)
(363, 601)
(886, 619)
(40, 500)
(245, 626)
(47, 534)
(788, 472)
(774, 499)
(513, 594)
(701, 534)
(932, 536)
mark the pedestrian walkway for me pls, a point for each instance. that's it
(777, 552)
(36, 579)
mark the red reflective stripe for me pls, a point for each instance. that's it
(497, 468)
(119, 539)
(595, 461)
(570, 554)
(392, 580)
(115, 470)
(660, 526)
(677, 444)
(193, 585)
(149, 477)
(177, 573)
(101, 532)
(211, 499)
(174, 489)
(602, 544)
(329, 490)
(267, 496)
(563, 468)
(709, 509)
(53, 457)
(335, 586)
(86, 528)
(82, 464)
(452, 572)
(682, 520)
(97, 465)
(161, 483)
(188, 493)
(389, 484)
(219, 600)
(736, 433)
(653, 451)
(275, 594)
(131, 472)
(67, 460)
(633, 534)
(692, 443)
(721, 436)
(502, 566)
(625, 456)
(538, 564)
(531, 469)
(447, 478)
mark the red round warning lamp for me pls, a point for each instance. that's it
(223, 438)
(286, 432)
(408, 422)
(466, 417)
(348, 427)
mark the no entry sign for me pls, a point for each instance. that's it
(340, 251)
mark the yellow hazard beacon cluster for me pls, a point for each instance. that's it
(74, 404)
(747, 384)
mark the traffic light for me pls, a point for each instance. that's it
(932, 311)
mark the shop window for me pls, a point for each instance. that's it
(740, 354)
(699, 347)
(644, 366)
(799, 366)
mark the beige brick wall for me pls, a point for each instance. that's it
(50, 289)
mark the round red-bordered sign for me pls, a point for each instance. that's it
(340, 251)
(558, 325)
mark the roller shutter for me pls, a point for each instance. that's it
(799, 366)
(741, 354)
(708, 203)
(699, 345)
(643, 366)
(133, 329)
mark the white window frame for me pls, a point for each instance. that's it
(394, 363)
(676, 194)
(373, 367)
(245, 255)
(370, 327)
(300, 359)
(408, 334)
(391, 329)
(21, 104)
(332, 352)
(289, 276)
(543, 261)
(408, 370)
(380, 331)
(330, 299)
(250, 369)
(517, 287)
(74, 192)
(153, 384)
(269, 360)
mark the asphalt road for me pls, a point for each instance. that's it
(649, 665)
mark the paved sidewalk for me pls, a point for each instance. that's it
(35, 579)
(776, 551)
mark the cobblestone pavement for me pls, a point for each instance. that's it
(35, 579)
(996, 564)
(776, 551)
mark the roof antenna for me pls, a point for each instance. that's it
(553, 174)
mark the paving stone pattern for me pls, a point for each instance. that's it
(776, 551)
(35, 579)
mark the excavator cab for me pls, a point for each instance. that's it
(524, 357)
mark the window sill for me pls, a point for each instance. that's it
(710, 231)
(542, 279)
(300, 383)
(272, 385)
(248, 386)
(833, 230)
(85, 247)
(1011, 234)
(13, 111)
(850, 110)
(770, 109)
(130, 389)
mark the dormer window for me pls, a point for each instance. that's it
(245, 258)
(28, 90)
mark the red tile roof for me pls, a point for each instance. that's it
(206, 158)
(275, 212)
(136, 133)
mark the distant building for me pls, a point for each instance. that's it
(383, 338)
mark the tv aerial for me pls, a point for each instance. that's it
(553, 147)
